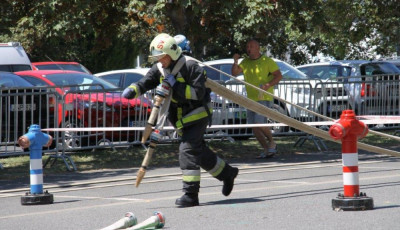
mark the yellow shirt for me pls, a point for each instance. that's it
(257, 72)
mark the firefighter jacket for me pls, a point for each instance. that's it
(190, 98)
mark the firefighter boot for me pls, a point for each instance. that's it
(229, 181)
(188, 200)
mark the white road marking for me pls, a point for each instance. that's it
(99, 198)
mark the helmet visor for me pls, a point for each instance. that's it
(155, 55)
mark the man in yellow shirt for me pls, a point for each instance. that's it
(261, 71)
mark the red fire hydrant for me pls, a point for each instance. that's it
(348, 129)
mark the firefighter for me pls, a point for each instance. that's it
(190, 112)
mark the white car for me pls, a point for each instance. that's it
(13, 57)
(288, 72)
(123, 78)
(295, 88)
(326, 70)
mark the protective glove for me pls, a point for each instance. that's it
(170, 79)
(129, 93)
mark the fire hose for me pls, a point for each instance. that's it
(276, 116)
(287, 102)
(155, 136)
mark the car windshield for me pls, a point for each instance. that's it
(326, 71)
(7, 80)
(379, 68)
(217, 76)
(14, 68)
(289, 72)
(64, 79)
(74, 67)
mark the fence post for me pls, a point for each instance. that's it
(35, 140)
(349, 130)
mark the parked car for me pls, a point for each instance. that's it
(22, 104)
(60, 65)
(330, 97)
(231, 113)
(326, 70)
(347, 68)
(393, 60)
(225, 65)
(363, 67)
(89, 101)
(123, 78)
(376, 91)
(361, 89)
(13, 57)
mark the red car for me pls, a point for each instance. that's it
(60, 65)
(88, 101)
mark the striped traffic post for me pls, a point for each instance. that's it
(35, 140)
(348, 129)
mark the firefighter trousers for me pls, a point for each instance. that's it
(194, 153)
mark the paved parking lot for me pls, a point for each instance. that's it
(293, 192)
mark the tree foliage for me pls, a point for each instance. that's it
(105, 35)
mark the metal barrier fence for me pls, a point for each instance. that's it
(366, 95)
(77, 106)
(21, 107)
(88, 106)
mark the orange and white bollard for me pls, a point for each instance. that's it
(348, 129)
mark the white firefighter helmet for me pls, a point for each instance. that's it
(163, 44)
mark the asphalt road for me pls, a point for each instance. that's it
(286, 192)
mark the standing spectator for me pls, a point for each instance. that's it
(261, 71)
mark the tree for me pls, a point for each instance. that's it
(105, 35)
(84, 31)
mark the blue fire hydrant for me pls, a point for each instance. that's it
(35, 140)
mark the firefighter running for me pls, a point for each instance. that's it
(189, 112)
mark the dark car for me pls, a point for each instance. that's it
(375, 90)
(378, 67)
(347, 68)
(371, 86)
(394, 60)
(22, 104)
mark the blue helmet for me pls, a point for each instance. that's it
(183, 42)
